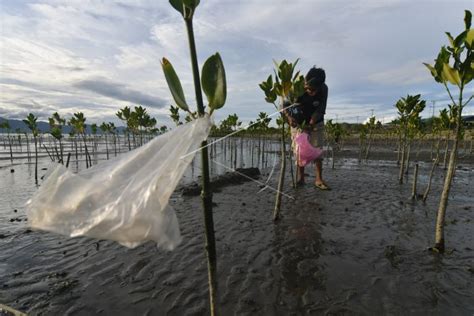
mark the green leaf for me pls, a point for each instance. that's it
(467, 19)
(433, 71)
(459, 40)
(451, 39)
(174, 84)
(470, 38)
(178, 5)
(451, 75)
(192, 4)
(213, 81)
(443, 57)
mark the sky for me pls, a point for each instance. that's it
(97, 56)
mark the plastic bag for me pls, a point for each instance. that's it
(305, 152)
(123, 199)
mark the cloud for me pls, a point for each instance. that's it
(413, 72)
(96, 56)
(120, 91)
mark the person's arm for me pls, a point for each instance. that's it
(291, 120)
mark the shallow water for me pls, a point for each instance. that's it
(358, 249)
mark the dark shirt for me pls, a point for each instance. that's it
(313, 106)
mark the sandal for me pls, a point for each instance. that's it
(322, 186)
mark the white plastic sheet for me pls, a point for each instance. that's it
(123, 199)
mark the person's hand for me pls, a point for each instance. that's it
(292, 122)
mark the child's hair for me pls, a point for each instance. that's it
(315, 77)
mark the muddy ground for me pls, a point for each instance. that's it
(359, 249)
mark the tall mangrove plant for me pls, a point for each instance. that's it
(287, 86)
(31, 123)
(454, 66)
(214, 85)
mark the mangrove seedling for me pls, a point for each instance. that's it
(214, 85)
(455, 66)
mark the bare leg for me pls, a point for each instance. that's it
(318, 171)
(300, 175)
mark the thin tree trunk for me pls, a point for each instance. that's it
(11, 151)
(407, 166)
(402, 166)
(446, 151)
(439, 238)
(415, 179)
(206, 185)
(428, 188)
(36, 160)
(281, 181)
(399, 151)
(367, 150)
(332, 155)
(106, 147)
(28, 148)
(439, 235)
(293, 181)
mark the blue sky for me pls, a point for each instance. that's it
(97, 56)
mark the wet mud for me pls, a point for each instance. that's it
(359, 249)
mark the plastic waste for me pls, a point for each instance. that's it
(123, 199)
(305, 151)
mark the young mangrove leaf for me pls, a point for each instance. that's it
(178, 5)
(451, 75)
(192, 4)
(185, 7)
(434, 73)
(451, 39)
(460, 39)
(469, 38)
(467, 19)
(174, 85)
(213, 81)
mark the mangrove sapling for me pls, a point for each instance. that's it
(94, 140)
(288, 87)
(409, 110)
(104, 127)
(114, 133)
(31, 124)
(125, 114)
(57, 135)
(280, 121)
(78, 122)
(372, 125)
(333, 132)
(458, 73)
(215, 87)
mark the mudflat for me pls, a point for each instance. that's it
(361, 248)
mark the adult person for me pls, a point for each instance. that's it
(308, 114)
